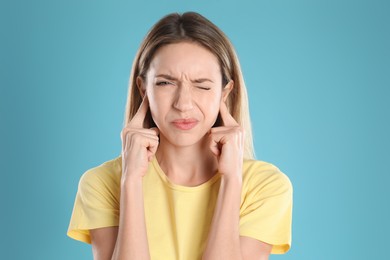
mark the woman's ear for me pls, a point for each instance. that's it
(141, 86)
(227, 89)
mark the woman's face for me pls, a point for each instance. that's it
(184, 88)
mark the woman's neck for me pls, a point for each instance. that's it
(187, 165)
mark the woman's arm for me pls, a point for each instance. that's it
(132, 242)
(224, 238)
(253, 249)
(103, 242)
(224, 241)
(138, 148)
(129, 240)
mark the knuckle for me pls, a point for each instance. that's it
(133, 137)
(238, 129)
(137, 138)
(124, 134)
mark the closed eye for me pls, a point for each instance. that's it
(163, 83)
(203, 88)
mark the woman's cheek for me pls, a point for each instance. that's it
(211, 109)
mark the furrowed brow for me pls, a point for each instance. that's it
(166, 76)
(169, 77)
(202, 80)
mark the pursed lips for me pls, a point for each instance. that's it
(185, 123)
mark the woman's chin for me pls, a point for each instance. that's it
(183, 140)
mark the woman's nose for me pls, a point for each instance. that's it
(183, 101)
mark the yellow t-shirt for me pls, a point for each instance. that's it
(178, 218)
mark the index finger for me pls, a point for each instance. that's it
(227, 118)
(139, 117)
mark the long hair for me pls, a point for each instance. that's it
(193, 27)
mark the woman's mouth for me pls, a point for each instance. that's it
(185, 124)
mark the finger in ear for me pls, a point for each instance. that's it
(227, 89)
(141, 86)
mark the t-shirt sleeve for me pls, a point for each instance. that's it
(96, 205)
(266, 209)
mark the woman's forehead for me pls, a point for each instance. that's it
(185, 59)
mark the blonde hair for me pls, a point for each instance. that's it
(193, 27)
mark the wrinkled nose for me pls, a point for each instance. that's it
(183, 100)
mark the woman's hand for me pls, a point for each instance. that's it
(139, 144)
(227, 143)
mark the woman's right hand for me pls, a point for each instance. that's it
(139, 144)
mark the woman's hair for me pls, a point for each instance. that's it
(193, 27)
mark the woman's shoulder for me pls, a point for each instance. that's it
(262, 174)
(107, 173)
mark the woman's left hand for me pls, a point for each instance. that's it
(227, 143)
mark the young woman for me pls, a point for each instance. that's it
(186, 185)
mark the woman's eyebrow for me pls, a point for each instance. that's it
(169, 77)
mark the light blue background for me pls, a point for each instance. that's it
(318, 76)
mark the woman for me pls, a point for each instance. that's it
(186, 185)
